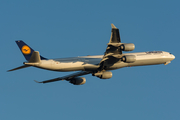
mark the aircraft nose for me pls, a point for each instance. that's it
(173, 57)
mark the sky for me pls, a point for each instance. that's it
(70, 28)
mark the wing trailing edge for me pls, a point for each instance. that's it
(113, 52)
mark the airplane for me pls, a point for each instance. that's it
(98, 65)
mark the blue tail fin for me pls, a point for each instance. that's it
(26, 50)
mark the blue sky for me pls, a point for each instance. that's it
(71, 28)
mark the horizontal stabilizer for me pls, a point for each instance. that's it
(24, 66)
(35, 58)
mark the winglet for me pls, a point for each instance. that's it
(113, 26)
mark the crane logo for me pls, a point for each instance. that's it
(26, 50)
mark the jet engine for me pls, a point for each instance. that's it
(129, 58)
(127, 47)
(103, 75)
(78, 81)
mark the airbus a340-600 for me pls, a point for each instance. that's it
(99, 65)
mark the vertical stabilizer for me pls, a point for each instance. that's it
(26, 50)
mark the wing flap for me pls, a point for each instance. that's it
(113, 52)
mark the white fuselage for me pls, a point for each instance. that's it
(90, 63)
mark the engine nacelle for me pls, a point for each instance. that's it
(129, 58)
(103, 75)
(78, 81)
(127, 47)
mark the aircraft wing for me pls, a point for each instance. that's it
(113, 52)
(67, 77)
